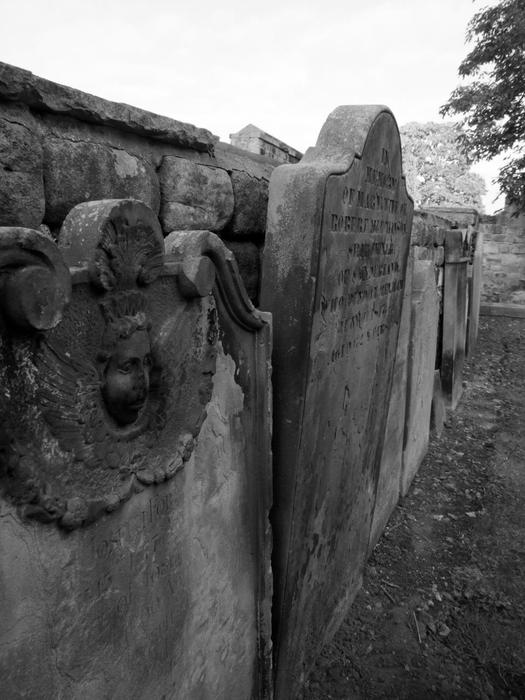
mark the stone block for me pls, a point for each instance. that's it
(489, 247)
(250, 204)
(76, 171)
(194, 196)
(135, 542)
(421, 367)
(338, 233)
(21, 173)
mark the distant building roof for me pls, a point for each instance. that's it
(252, 138)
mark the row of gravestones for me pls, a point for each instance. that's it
(136, 429)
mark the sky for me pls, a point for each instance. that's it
(282, 65)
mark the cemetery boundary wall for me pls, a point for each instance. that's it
(60, 146)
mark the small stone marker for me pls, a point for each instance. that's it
(135, 475)
(333, 275)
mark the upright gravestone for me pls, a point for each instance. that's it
(390, 470)
(475, 283)
(333, 275)
(455, 301)
(420, 371)
(135, 474)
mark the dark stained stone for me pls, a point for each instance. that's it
(438, 413)
(248, 259)
(338, 232)
(21, 175)
(76, 171)
(250, 204)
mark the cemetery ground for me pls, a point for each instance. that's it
(441, 613)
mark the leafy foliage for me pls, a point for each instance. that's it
(492, 101)
(437, 171)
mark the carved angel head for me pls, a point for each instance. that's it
(126, 361)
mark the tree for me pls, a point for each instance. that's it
(492, 102)
(437, 172)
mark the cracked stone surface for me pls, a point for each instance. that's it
(21, 173)
(79, 171)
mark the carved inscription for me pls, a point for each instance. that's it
(373, 206)
(365, 224)
(363, 250)
(136, 571)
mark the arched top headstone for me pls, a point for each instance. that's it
(338, 233)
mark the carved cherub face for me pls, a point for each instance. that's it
(126, 361)
(126, 379)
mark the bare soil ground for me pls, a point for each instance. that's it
(442, 610)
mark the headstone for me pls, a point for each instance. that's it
(387, 494)
(421, 366)
(438, 413)
(475, 283)
(135, 475)
(333, 275)
(453, 336)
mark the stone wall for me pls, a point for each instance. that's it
(503, 257)
(60, 147)
(503, 237)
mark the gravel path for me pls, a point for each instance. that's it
(442, 610)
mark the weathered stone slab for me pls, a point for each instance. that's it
(388, 484)
(453, 336)
(438, 413)
(22, 86)
(136, 476)
(21, 174)
(475, 283)
(510, 310)
(421, 367)
(194, 196)
(333, 274)
(77, 172)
